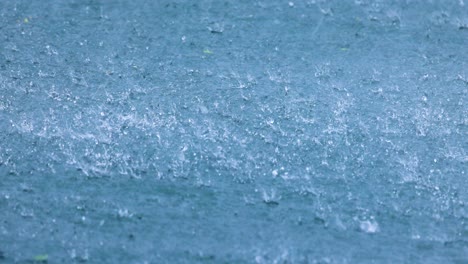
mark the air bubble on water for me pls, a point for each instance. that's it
(274, 173)
(216, 28)
(369, 226)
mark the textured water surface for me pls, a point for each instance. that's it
(233, 131)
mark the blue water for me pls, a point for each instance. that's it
(209, 131)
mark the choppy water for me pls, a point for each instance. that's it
(233, 131)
